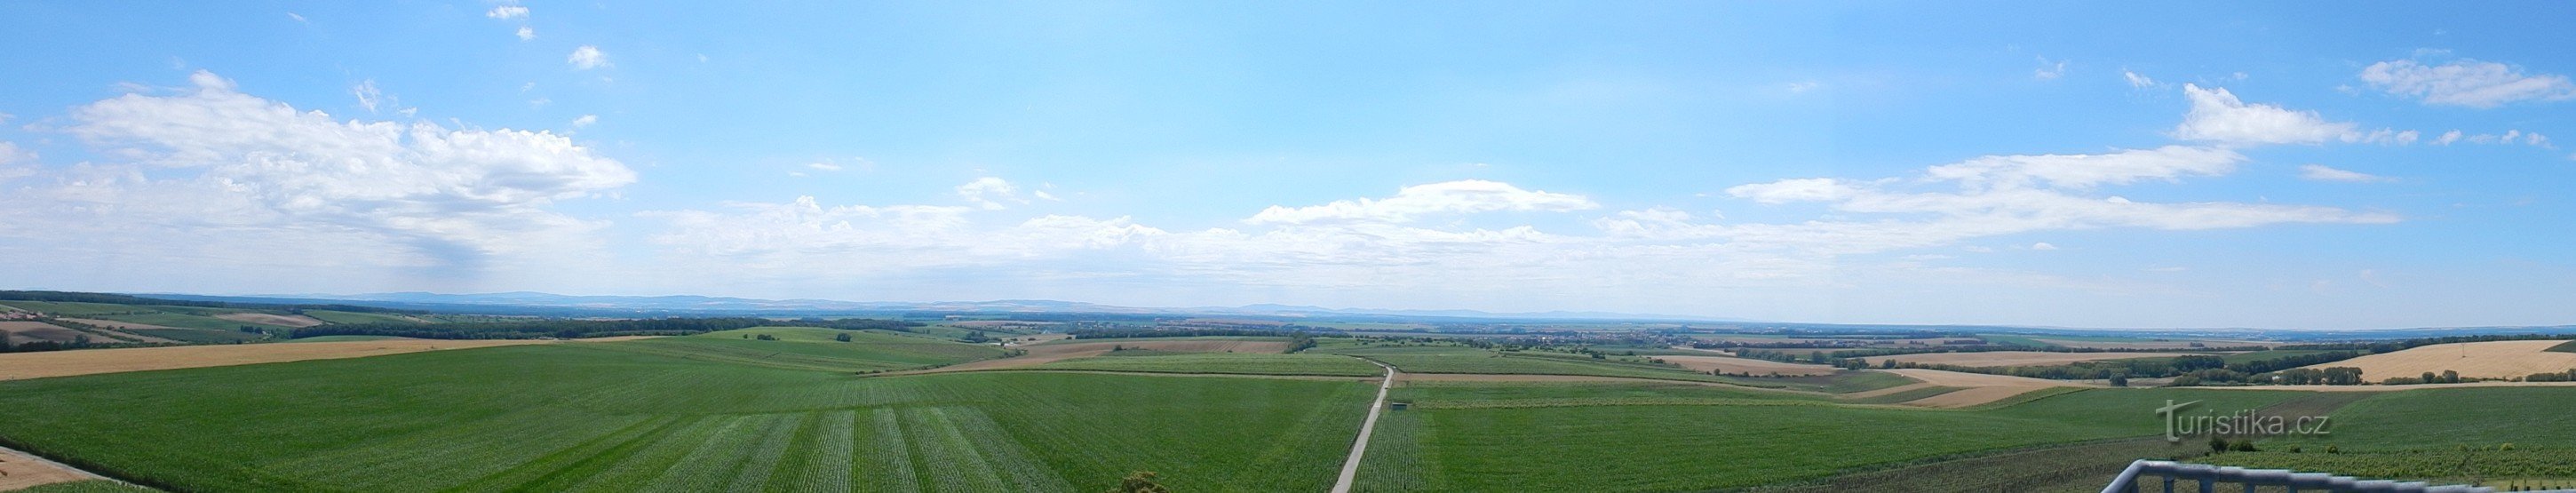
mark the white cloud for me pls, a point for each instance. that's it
(453, 196)
(2137, 80)
(367, 94)
(2217, 116)
(2048, 70)
(1801, 87)
(507, 12)
(587, 57)
(991, 193)
(1453, 197)
(1793, 190)
(824, 166)
(2319, 172)
(2448, 137)
(526, 33)
(585, 121)
(2087, 170)
(2042, 246)
(2466, 82)
(298, 18)
(1043, 195)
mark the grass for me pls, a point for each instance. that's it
(74, 309)
(1461, 359)
(1223, 363)
(1467, 437)
(812, 348)
(185, 321)
(2446, 419)
(2013, 340)
(90, 486)
(345, 339)
(197, 336)
(340, 317)
(583, 417)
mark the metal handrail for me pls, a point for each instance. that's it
(2209, 476)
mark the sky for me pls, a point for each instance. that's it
(2134, 165)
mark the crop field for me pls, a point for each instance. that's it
(2496, 359)
(2016, 358)
(2083, 468)
(1459, 359)
(1222, 363)
(24, 331)
(813, 349)
(198, 336)
(73, 309)
(586, 417)
(340, 317)
(1564, 438)
(183, 321)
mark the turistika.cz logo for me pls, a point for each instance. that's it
(2179, 424)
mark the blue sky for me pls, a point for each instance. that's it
(2279, 165)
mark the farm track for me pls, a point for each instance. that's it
(20, 470)
(1351, 465)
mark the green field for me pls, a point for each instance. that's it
(1222, 363)
(346, 339)
(73, 309)
(590, 418)
(1667, 438)
(340, 317)
(184, 321)
(812, 348)
(198, 336)
(1461, 359)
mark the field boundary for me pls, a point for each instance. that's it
(42, 462)
(1351, 466)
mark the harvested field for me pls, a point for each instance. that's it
(1989, 359)
(20, 471)
(1040, 354)
(1978, 388)
(297, 321)
(17, 366)
(20, 332)
(2495, 359)
(1746, 366)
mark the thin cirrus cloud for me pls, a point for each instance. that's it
(2320, 172)
(1464, 196)
(2466, 82)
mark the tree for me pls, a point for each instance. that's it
(843, 337)
(2119, 380)
(2449, 376)
(1140, 482)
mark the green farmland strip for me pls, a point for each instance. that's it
(1226, 363)
(583, 417)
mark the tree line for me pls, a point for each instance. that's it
(575, 329)
(119, 299)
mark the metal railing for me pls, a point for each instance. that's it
(2208, 477)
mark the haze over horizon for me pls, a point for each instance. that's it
(2278, 165)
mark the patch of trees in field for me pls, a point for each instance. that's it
(574, 329)
(81, 342)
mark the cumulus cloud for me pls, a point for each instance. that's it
(587, 57)
(991, 193)
(507, 12)
(2217, 116)
(526, 33)
(2042, 246)
(455, 196)
(1453, 197)
(2320, 172)
(2466, 82)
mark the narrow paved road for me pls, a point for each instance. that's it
(1351, 466)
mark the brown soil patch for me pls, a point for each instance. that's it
(1748, 366)
(1988, 359)
(1040, 354)
(2496, 359)
(296, 321)
(20, 471)
(16, 366)
(20, 332)
(1890, 390)
(1979, 388)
